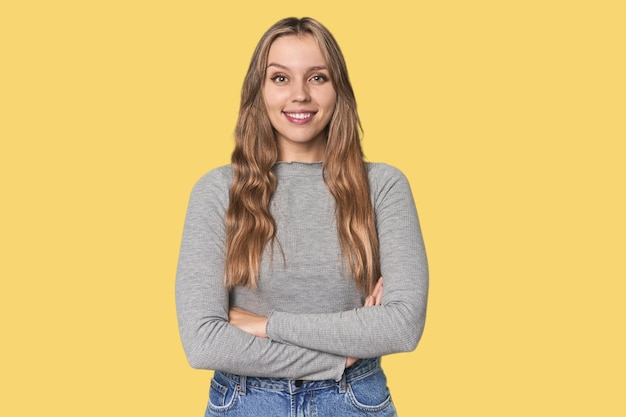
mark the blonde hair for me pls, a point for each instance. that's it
(249, 223)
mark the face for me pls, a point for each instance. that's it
(299, 97)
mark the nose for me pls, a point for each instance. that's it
(300, 92)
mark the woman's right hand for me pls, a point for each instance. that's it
(374, 299)
(350, 362)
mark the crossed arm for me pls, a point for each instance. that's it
(256, 325)
(299, 346)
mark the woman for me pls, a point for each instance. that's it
(278, 285)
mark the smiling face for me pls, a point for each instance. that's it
(299, 97)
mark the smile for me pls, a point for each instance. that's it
(299, 117)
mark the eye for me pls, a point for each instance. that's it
(319, 78)
(279, 78)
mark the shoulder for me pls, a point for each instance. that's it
(216, 179)
(388, 184)
(213, 187)
(380, 169)
(382, 175)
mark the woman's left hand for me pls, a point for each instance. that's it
(376, 297)
(248, 322)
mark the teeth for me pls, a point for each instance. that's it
(299, 115)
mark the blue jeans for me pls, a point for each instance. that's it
(362, 391)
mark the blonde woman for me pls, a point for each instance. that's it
(279, 286)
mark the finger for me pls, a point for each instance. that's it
(378, 286)
(368, 301)
(378, 293)
(378, 298)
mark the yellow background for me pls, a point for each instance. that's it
(508, 117)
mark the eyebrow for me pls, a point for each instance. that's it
(314, 68)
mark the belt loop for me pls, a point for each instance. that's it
(242, 384)
(342, 384)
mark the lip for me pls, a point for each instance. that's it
(299, 117)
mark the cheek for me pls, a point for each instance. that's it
(268, 97)
(330, 104)
(274, 98)
(329, 99)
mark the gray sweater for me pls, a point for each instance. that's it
(316, 318)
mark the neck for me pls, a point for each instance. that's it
(313, 152)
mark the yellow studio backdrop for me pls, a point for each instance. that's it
(507, 117)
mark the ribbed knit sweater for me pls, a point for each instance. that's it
(316, 313)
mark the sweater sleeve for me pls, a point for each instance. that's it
(398, 323)
(202, 302)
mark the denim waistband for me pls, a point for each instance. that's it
(360, 369)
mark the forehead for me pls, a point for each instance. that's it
(296, 51)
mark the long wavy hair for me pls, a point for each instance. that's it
(249, 223)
